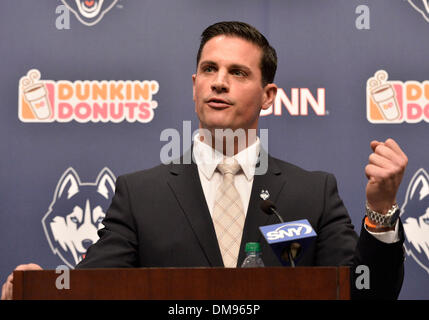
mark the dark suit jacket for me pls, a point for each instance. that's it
(159, 218)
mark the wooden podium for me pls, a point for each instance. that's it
(310, 283)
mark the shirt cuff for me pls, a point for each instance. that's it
(387, 236)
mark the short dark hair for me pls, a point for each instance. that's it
(247, 32)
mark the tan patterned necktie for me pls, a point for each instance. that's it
(228, 215)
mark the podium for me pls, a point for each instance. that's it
(271, 283)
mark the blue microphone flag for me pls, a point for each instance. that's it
(280, 236)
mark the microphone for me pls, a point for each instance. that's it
(288, 240)
(269, 208)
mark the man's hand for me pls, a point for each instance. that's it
(385, 170)
(7, 289)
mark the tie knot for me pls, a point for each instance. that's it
(229, 166)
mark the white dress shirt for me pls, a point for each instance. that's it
(207, 159)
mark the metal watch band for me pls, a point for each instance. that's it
(383, 220)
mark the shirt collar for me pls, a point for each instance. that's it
(207, 158)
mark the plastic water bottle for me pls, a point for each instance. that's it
(253, 256)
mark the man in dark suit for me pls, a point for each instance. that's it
(171, 215)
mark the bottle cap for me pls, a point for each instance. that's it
(253, 247)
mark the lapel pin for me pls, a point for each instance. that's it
(264, 194)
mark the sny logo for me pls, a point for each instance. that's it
(289, 230)
(415, 217)
(89, 12)
(76, 213)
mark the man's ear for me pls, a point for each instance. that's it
(270, 91)
(194, 76)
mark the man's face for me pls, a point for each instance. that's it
(227, 88)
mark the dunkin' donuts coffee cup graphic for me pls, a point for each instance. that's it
(383, 94)
(36, 95)
(396, 101)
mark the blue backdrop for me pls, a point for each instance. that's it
(328, 50)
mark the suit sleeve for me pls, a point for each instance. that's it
(336, 238)
(385, 262)
(117, 246)
(339, 245)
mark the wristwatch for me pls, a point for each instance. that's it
(387, 220)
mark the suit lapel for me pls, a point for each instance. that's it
(185, 183)
(273, 181)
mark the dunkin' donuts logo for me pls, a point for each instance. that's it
(85, 101)
(391, 101)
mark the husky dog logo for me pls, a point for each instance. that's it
(422, 6)
(76, 213)
(264, 194)
(89, 12)
(415, 216)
